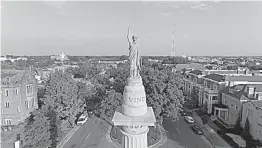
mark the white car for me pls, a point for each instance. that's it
(82, 120)
(189, 119)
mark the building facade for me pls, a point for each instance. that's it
(233, 98)
(253, 111)
(18, 95)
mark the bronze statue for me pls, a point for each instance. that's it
(134, 56)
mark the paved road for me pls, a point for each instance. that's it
(87, 136)
(181, 132)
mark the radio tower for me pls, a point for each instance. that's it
(173, 43)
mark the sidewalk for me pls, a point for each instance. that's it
(210, 134)
(67, 137)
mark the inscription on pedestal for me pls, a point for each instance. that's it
(137, 100)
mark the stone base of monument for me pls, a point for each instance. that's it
(147, 119)
(154, 136)
(134, 129)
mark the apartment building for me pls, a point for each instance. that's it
(191, 80)
(213, 84)
(18, 95)
(210, 85)
(253, 111)
(233, 97)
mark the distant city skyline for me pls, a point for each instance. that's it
(85, 28)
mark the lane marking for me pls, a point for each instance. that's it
(178, 131)
(88, 135)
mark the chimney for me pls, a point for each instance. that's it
(250, 91)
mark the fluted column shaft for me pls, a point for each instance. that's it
(134, 140)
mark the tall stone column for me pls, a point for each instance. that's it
(134, 116)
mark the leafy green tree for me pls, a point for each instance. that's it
(62, 95)
(246, 132)
(238, 129)
(37, 131)
(110, 102)
(163, 93)
(194, 97)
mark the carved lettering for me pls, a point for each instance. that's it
(137, 100)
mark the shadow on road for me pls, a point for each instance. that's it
(170, 130)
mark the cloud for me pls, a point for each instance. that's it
(198, 6)
(201, 6)
(208, 7)
(60, 6)
(166, 13)
(165, 4)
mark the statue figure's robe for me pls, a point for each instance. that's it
(134, 59)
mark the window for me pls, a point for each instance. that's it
(18, 109)
(7, 104)
(232, 105)
(236, 107)
(27, 88)
(33, 103)
(215, 87)
(205, 84)
(214, 98)
(31, 88)
(27, 105)
(16, 91)
(8, 79)
(6, 92)
(225, 102)
(8, 121)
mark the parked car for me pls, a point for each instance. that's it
(183, 113)
(82, 119)
(197, 129)
(189, 119)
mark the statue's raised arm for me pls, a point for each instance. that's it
(129, 38)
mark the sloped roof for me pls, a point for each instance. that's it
(245, 78)
(191, 65)
(196, 72)
(215, 77)
(15, 75)
(241, 89)
(237, 93)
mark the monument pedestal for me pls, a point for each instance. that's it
(134, 116)
(134, 141)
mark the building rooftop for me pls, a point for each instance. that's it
(215, 77)
(244, 78)
(238, 90)
(196, 72)
(194, 66)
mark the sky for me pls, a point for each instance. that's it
(86, 28)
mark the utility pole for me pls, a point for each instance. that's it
(173, 42)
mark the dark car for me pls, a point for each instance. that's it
(183, 113)
(197, 129)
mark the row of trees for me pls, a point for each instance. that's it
(64, 99)
(175, 60)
